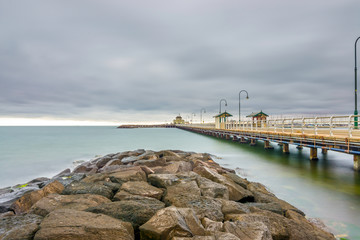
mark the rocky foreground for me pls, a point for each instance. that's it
(150, 195)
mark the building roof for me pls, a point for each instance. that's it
(224, 114)
(261, 113)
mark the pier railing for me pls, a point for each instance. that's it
(319, 126)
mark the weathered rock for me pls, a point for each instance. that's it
(248, 230)
(130, 159)
(236, 192)
(204, 207)
(212, 226)
(67, 179)
(232, 207)
(172, 222)
(272, 207)
(143, 189)
(23, 204)
(7, 214)
(39, 181)
(113, 162)
(100, 163)
(19, 227)
(88, 188)
(212, 189)
(275, 223)
(72, 224)
(77, 202)
(179, 195)
(136, 211)
(163, 180)
(85, 168)
(147, 170)
(151, 163)
(63, 173)
(128, 174)
(238, 180)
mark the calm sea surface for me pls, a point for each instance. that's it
(328, 189)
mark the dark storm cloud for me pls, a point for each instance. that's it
(102, 59)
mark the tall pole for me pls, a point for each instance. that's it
(201, 110)
(220, 104)
(355, 70)
(247, 97)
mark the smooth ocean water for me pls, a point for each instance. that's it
(328, 189)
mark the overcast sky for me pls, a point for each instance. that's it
(129, 61)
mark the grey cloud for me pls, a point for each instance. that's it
(87, 59)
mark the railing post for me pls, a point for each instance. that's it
(350, 127)
(282, 122)
(302, 125)
(292, 125)
(315, 125)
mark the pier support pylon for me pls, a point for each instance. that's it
(324, 150)
(357, 162)
(252, 142)
(286, 148)
(242, 140)
(299, 147)
(313, 154)
(267, 145)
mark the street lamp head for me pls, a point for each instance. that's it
(225, 104)
(247, 97)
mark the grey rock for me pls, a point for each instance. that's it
(19, 227)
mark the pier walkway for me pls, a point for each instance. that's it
(335, 133)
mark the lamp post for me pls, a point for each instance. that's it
(201, 111)
(220, 104)
(192, 115)
(247, 97)
(355, 70)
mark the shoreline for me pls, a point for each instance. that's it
(215, 198)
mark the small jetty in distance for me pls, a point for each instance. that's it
(147, 126)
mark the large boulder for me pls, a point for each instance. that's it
(143, 189)
(77, 202)
(128, 174)
(232, 207)
(172, 222)
(236, 192)
(24, 203)
(19, 227)
(163, 180)
(180, 194)
(88, 188)
(74, 225)
(136, 210)
(248, 230)
(212, 189)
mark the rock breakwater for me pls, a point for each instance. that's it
(150, 195)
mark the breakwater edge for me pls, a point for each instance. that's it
(152, 195)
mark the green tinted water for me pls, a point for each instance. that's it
(328, 189)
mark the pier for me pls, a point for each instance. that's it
(333, 133)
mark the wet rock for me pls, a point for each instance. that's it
(137, 210)
(101, 162)
(19, 227)
(9, 195)
(85, 168)
(172, 222)
(24, 203)
(72, 224)
(63, 173)
(76, 202)
(143, 189)
(128, 174)
(248, 230)
(238, 180)
(163, 180)
(39, 181)
(67, 179)
(130, 159)
(88, 188)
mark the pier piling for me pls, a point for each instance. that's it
(313, 154)
(357, 162)
(286, 148)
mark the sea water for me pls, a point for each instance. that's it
(328, 189)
